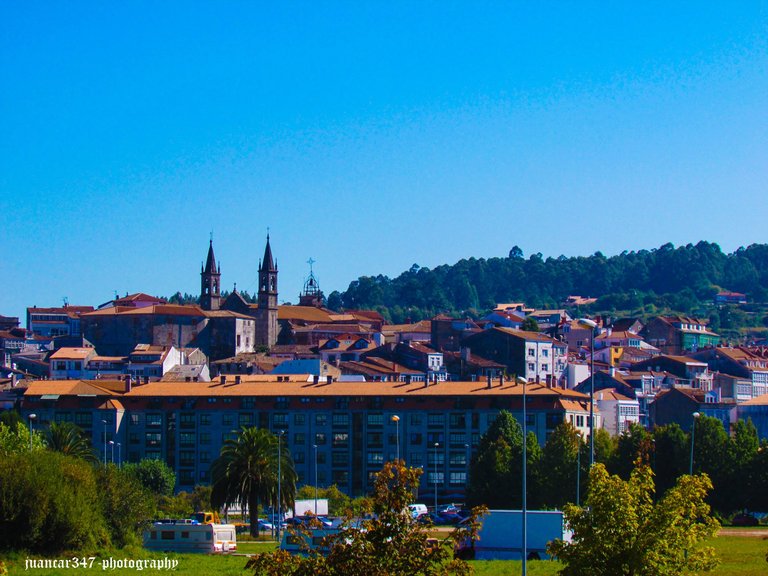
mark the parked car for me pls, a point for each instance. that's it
(744, 519)
(266, 525)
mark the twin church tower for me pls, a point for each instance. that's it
(264, 312)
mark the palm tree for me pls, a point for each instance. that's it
(246, 473)
(68, 438)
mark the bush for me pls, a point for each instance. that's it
(49, 503)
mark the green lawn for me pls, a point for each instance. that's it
(739, 556)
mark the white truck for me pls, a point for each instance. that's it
(306, 507)
(501, 535)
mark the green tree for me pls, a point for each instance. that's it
(16, 439)
(635, 442)
(530, 324)
(126, 504)
(68, 438)
(622, 532)
(390, 543)
(671, 454)
(494, 478)
(49, 503)
(558, 466)
(155, 475)
(246, 473)
(741, 450)
(338, 502)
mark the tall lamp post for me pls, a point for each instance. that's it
(693, 438)
(31, 419)
(279, 484)
(112, 448)
(104, 423)
(524, 551)
(396, 420)
(436, 446)
(119, 458)
(314, 447)
(578, 472)
(593, 325)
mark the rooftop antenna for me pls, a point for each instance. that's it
(66, 301)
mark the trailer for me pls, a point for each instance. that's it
(501, 535)
(190, 536)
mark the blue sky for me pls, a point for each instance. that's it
(368, 136)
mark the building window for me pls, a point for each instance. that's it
(531, 352)
(153, 439)
(227, 420)
(299, 439)
(375, 458)
(458, 438)
(458, 458)
(375, 419)
(321, 419)
(154, 419)
(205, 419)
(434, 419)
(299, 419)
(187, 458)
(340, 458)
(187, 420)
(341, 419)
(205, 437)
(340, 439)
(320, 438)
(248, 403)
(531, 367)
(433, 437)
(134, 420)
(340, 477)
(375, 439)
(458, 420)
(457, 478)
(416, 420)
(186, 439)
(280, 419)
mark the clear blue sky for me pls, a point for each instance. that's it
(367, 135)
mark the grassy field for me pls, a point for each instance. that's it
(739, 556)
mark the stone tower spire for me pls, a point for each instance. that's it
(210, 282)
(266, 320)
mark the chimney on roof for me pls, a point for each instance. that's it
(237, 379)
(146, 380)
(329, 379)
(489, 384)
(407, 378)
(466, 353)
(501, 379)
(315, 379)
(195, 379)
(223, 379)
(187, 378)
(127, 382)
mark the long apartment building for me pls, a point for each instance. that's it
(346, 429)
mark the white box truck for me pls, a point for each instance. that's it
(501, 535)
(306, 507)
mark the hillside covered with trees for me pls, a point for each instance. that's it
(683, 279)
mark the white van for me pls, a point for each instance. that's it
(417, 510)
(190, 536)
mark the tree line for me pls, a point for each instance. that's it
(558, 473)
(682, 279)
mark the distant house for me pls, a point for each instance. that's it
(574, 300)
(688, 372)
(448, 333)
(464, 365)
(749, 363)
(730, 298)
(757, 411)
(8, 322)
(61, 321)
(550, 318)
(618, 411)
(70, 363)
(505, 319)
(677, 406)
(530, 355)
(344, 348)
(679, 334)
(418, 332)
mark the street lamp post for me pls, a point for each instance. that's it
(31, 419)
(119, 458)
(593, 325)
(522, 381)
(314, 446)
(693, 438)
(104, 423)
(279, 484)
(436, 446)
(112, 448)
(578, 472)
(396, 420)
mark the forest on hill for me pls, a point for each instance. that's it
(681, 279)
